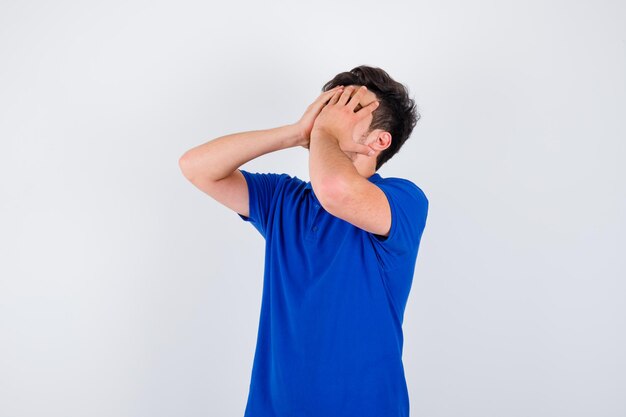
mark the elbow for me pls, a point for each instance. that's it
(330, 194)
(185, 165)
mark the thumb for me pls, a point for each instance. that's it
(363, 149)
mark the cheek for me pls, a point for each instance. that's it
(360, 133)
(361, 127)
(365, 123)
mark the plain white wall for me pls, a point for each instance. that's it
(125, 291)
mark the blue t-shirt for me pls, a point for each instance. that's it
(330, 339)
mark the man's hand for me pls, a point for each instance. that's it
(305, 124)
(338, 118)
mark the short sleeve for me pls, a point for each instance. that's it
(262, 188)
(409, 210)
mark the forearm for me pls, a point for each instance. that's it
(219, 157)
(329, 166)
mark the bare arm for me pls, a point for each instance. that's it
(341, 190)
(213, 166)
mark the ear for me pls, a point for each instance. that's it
(382, 141)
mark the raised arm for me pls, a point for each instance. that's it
(341, 190)
(213, 166)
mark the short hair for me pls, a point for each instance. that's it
(396, 113)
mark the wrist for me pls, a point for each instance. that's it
(298, 134)
(325, 134)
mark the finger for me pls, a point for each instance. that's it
(368, 109)
(335, 96)
(332, 90)
(326, 95)
(356, 98)
(362, 149)
(326, 99)
(345, 96)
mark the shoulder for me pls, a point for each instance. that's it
(403, 187)
(269, 178)
(409, 209)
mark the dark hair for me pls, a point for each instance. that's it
(396, 113)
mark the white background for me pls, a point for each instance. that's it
(125, 291)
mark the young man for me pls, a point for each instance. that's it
(340, 250)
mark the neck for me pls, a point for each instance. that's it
(365, 165)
